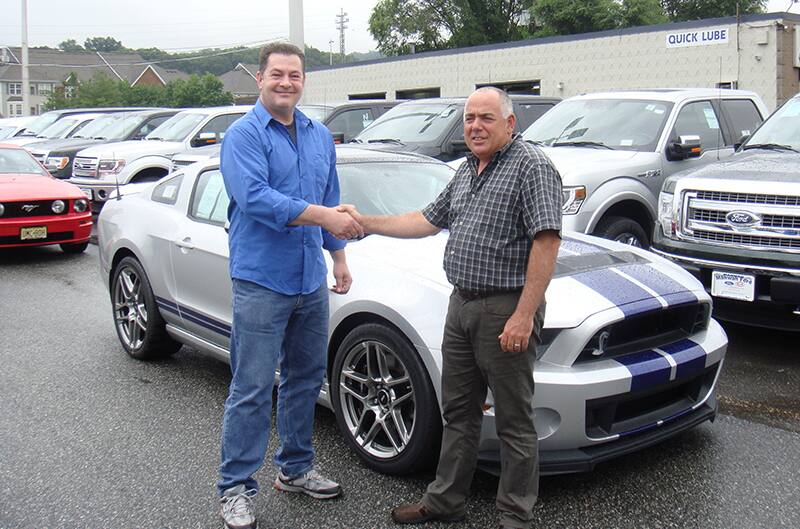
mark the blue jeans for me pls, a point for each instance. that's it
(270, 330)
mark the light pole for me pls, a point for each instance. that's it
(26, 107)
(330, 51)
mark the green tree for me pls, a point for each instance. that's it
(641, 13)
(566, 17)
(103, 44)
(679, 10)
(70, 45)
(196, 91)
(62, 96)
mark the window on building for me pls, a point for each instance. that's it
(14, 89)
(533, 87)
(699, 119)
(743, 115)
(371, 95)
(45, 89)
(14, 109)
(418, 93)
(34, 91)
(728, 85)
(69, 91)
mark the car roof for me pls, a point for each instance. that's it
(517, 98)
(216, 110)
(674, 95)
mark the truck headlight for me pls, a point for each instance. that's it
(667, 214)
(110, 166)
(56, 162)
(572, 199)
(81, 205)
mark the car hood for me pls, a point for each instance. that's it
(131, 149)
(754, 164)
(593, 275)
(68, 144)
(17, 187)
(582, 160)
(23, 140)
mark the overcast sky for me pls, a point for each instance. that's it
(183, 25)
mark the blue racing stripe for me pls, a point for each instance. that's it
(628, 296)
(647, 368)
(672, 291)
(194, 316)
(216, 329)
(167, 305)
(690, 357)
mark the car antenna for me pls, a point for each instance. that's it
(720, 140)
(116, 179)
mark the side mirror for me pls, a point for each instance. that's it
(227, 226)
(457, 147)
(203, 139)
(338, 137)
(686, 147)
(741, 142)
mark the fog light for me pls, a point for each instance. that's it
(81, 205)
(58, 206)
(101, 194)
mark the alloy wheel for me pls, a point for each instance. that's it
(130, 311)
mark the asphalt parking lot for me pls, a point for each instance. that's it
(90, 438)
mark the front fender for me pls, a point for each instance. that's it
(140, 164)
(613, 192)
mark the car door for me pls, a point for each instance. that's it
(200, 262)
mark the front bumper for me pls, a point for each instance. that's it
(73, 228)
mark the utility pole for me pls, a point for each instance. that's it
(296, 24)
(26, 89)
(330, 51)
(340, 25)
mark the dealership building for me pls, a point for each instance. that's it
(754, 52)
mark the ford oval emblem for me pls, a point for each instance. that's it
(742, 219)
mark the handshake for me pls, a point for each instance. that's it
(344, 222)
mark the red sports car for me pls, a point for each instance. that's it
(37, 209)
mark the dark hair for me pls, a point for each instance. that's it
(281, 48)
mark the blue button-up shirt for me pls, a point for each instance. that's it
(270, 181)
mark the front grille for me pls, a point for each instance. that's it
(85, 167)
(51, 237)
(646, 331)
(775, 225)
(34, 208)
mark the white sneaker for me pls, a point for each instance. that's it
(237, 508)
(311, 483)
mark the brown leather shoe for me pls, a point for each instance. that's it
(412, 513)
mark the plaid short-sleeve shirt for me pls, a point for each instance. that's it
(493, 217)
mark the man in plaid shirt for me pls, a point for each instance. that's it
(503, 210)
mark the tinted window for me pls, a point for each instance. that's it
(209, 201)
(527, 113)
(220, 124)
(351, 122)
(743, 115)
(167, 191)
(699, 119)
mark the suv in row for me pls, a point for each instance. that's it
(347, 119)
(615, 149)
(735, 225)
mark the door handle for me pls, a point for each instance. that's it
(186, 243)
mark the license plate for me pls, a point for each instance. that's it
(34, 232)
(733, 286)
(87, 192)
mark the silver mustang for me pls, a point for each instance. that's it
(629, 355)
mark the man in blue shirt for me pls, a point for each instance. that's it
(279, 168)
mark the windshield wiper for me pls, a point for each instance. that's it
(99, 138)
(156, 138)
(355, 140)
(770, 147)
(582, 144)
(386, 140)
(535, 142)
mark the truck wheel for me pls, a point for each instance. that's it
(624, 230)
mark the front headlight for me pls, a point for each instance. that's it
(81, 205)
(58, 206)
(2, 209)
(110, 166)
(667, 214)
(572, 199)
(56, 162)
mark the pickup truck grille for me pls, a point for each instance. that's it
(774, 220)
(85, 167)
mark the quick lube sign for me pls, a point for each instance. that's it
(700, 37)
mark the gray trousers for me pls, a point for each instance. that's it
(473, 361)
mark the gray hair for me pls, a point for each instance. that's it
(506, 106)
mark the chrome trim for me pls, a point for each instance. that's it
(730, 266)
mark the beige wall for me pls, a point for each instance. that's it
(589, 64)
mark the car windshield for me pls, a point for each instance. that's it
(176, 128)
(782, 127)
(412, 123)
(40, 123)
(19, 161)
(317, 112)
(622, 124)
(6, 131)
(390, 188)
(110, 127)
(60, 128)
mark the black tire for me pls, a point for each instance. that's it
(419, 413)
(140, 328)
(75, 247)
(623, 230)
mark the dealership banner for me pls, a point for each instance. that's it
(700, 37)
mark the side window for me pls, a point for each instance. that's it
(351, 122)
(527, 113)
(209, 200)
(743, 115)
(220, 124)
(150, 125)
(699, 119)
(167, 191)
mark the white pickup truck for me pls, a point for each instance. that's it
(101, 169)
